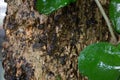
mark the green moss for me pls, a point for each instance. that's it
(58, 77)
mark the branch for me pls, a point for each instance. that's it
(107, 20)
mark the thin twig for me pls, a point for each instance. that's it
(107, 20)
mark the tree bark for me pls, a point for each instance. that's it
(47, 47)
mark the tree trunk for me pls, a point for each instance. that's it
(47, 47)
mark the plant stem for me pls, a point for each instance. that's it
(107, 20)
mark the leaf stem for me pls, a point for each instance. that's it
(107, 20)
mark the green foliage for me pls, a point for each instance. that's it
(114, 11)
(48, 6)
(100, 61)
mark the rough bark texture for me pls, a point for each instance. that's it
(47, 47)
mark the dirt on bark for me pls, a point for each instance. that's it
(44, 47)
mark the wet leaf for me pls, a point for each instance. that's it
(114, 11)
(48, 6)
(100, 61)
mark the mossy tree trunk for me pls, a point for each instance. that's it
(47, 47)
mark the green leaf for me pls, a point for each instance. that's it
(114, 12)
(48, 6)
(100, 61)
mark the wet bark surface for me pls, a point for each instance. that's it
(47, 47)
